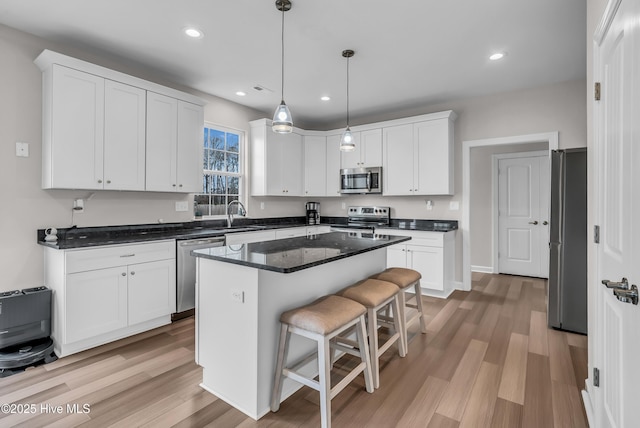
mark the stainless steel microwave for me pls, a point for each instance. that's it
(361, 180)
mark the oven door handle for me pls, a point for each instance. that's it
(369, 181)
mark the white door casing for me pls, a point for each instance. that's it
(614, 337)
(523, 213)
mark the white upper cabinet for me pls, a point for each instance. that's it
(367, 152)
(418, 157)
(124, 136)
(276, 161)
(174, 144)
(315, 165)
(96, 125)
(73, 129)
(333, 165)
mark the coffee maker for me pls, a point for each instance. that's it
(313, 213)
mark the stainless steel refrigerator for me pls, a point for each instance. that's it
(567, 294)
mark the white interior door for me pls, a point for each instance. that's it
(523, 209)
(615, 337)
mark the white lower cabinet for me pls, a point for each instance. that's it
(102, 294)
(430, 253)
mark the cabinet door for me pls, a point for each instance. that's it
(352, 159)
(95, 302)
(397, 172)
(75, 149)
(274, 164)
(429, 261)
(371, 152)
(190, 147)
(315, 166)
(162, 137)
(434, 158)
(124, 136)
(397, 255)
(292, 162)
(333, 165)
(151, 290)
(291, 232)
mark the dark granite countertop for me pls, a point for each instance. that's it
(294, 254)
(80, 237)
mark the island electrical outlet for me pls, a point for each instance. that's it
(237, 295)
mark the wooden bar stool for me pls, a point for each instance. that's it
(377, 295)
(406, 279)
(322, 321)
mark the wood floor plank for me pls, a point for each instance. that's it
(538, 341)
(538, 409)
(506, 414)
(515, 289)
(439, 421)
(478, 412)
(560, 358)
(447, 364)
(512, 382)
(568, 410)
(421, 409)
(579, 360)
(499, 342)
(488, 323)
(453, 404)
(441, 320)
(578, 340)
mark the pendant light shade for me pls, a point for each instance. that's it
(282, 120)
(346, 142)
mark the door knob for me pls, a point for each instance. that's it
(622, 285)
(627, 296)
(534, 222)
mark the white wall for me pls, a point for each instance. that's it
(25, 207)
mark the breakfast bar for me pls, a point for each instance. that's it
(242, 290)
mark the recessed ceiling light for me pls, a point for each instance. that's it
(193, 32)
(325, 98)
(241, 94)
(496, 56)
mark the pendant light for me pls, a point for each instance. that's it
(282, 120)
(346, 142)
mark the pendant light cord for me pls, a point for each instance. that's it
(282, 56)
(348, 92)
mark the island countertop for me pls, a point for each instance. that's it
(295, 254)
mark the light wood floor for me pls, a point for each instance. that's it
(488, 360)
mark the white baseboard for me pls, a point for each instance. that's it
(482, 269)
(588, 405)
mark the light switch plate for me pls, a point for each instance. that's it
(182, 206)
(22, 150)
(237, 295)
(454, 205)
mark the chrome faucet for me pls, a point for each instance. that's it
(241, 211)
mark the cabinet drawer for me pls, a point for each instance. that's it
(82, 260)
(418, 237)
(291, 232)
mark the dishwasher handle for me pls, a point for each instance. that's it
(206, 241)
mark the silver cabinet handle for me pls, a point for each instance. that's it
(545, 222)
(173, 185)
(124, 274)
(99, 181)
(133, 273)
(108, 181)
(127, 255)
(534, 222)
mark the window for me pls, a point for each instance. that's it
(222, 171)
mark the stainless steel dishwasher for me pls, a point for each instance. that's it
(186, 273)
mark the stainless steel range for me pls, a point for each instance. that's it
(366, 218)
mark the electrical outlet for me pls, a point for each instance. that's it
(261, 205)
(344, 205)
(22, 150)
(454, 206)
(429, 205)
(182, 206)
(237, 295)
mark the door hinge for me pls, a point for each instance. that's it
(596, 234)
(596, 376)
(596, 91)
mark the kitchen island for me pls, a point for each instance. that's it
(242, 290)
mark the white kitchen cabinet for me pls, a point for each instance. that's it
(317, 230)
(315, 165)
(418, 157)
(333, 165)
(95, 130)
(174, 144)
(367, 152)
(124, 137)
(430, 253)
(276, 161)
(102, 294)
(291, 232)
(239, 238)
(73, 129)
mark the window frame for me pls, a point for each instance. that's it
(242, 162)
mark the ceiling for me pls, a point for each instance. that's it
(408, 53)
